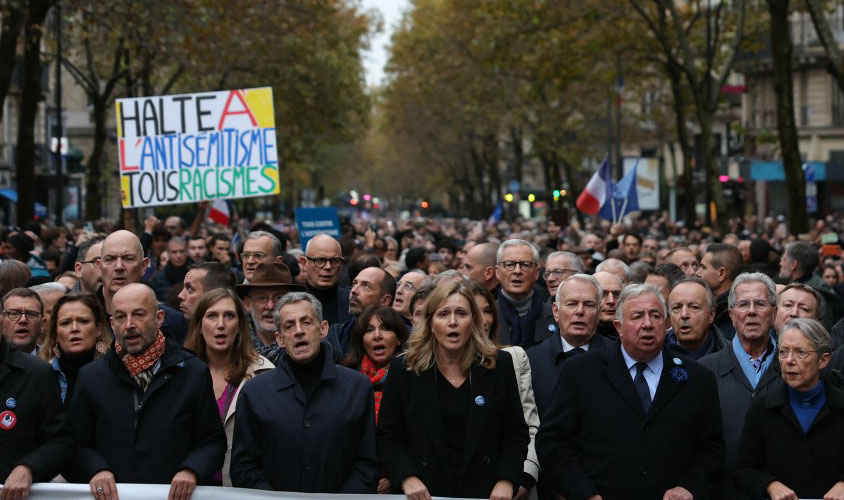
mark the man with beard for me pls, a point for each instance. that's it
(197, 248)
(201, 279)
(145, 413)
(174, 272)
(371, 286)
(269, 284)
(611, 286)
(322, 265)
(720, 265)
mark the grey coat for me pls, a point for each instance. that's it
(736, 394)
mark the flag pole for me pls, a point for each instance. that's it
(626, 198)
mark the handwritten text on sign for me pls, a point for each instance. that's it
(193, 147)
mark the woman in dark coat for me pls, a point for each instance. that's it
(792, 440)
(451, 421)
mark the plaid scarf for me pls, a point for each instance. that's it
(140, 366)
(378, 378)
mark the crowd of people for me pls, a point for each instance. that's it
(426, 357)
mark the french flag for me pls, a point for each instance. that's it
(220, 212)
(598, 190)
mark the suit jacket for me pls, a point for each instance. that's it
(411, 437)
(736, 394)
(597, 439)
(546, 361)
(544, 326)
(775, 448)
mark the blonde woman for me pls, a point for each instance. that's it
(219, 334)
(451, 421)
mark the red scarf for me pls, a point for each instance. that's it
(143, 361)
(377, 377)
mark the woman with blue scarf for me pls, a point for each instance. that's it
(792, 440)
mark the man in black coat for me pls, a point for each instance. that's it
(524, 317)
(634, 422)
(322, 265)
(145, 413)
(34, 439)
(372, 286)
(692, 309)
(576, 311)
(308, 425)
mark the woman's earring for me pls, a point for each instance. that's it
(101, 347)
(55, 350)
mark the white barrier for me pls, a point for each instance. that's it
(65, 491)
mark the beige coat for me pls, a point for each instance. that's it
(261, 364)
(522, 368)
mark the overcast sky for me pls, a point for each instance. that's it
(375, 58)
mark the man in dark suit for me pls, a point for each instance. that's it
(576, 311)
(634, 422)
(525, 317)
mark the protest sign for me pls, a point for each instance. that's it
(194, 147)
(313, 221)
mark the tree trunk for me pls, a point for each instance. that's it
(518, 153)
(13, 17)
(30, 96)
(781, 51)
(93, 174)
(827, 38)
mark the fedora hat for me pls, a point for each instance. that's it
(272, 275)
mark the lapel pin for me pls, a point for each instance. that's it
(480, 401)
(11, 403)
(8, 420)
(552, 328)
(678, 361)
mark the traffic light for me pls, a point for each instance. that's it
(424, 204)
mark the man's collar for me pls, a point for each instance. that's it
(654, 364)
(568, 347)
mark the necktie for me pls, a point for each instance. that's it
(642, 386)
(574, 352)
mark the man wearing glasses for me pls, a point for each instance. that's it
(23, 320)
(268, 285)
(86, 268)
(559, 266)
(747, 368)
(321, 263)
(405, 290)
(525, 315)
(260, 247)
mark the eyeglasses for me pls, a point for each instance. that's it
(800, 354)
(759, 305)
(322, 261)
(407, 285)
(95, 261)
(525, 265)
(558, 273)
(14, 315)
(262, 298)
(248, 255)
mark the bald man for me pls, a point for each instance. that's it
(479, 265)
(322, 263)
(176, 438)
(122, 263)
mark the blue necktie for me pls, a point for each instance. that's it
(642, 386)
